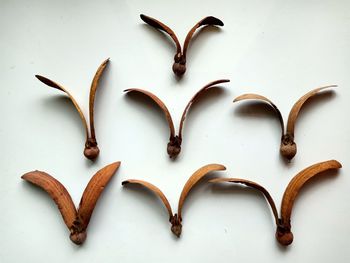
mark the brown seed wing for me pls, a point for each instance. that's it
(53, 84)
(196, 176)
(195, 97)
(161, 105)
(253, 185)
(293, 115)
(155, 190)
(57, 192)
(93, 191)
(297, 183)
(93, 89)
(207, 21)
(159, 25)
(269, 102)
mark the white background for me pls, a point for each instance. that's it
(280, 49)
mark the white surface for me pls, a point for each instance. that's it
(280, 49)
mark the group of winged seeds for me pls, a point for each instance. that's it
(77, 220)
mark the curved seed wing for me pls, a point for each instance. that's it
(293, 115)
(159, 25)
(253, 185)
(161, 105)
(207, 21)
(297, 183)
(259, 97)
(196, 176)
(93, 89)
(53, 84)
(155, 190)
(57, 192)
(195, 97)
(93, 191)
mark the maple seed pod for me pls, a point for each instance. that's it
(174, 147)
(284, 236)
(288, 147)
(179, 66)
(179, 69)
(91, 150)
(174, 144)
(176, 226)
(78, 238)
(77, 220)
(176, 219)
(283, 233)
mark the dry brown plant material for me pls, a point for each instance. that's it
(288, 147)
(174, 145)
(283, 225)
(176, 219)
(91, 150)
(179, 66)
(77, 221)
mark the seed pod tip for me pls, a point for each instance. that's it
(125, 182)
(78, 238)
(176, 226)
(284, 238)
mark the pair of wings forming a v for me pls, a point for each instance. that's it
(93, 89)
(292, 189)
(207, 21)
(63, 199)
(167, 114)
(193, 180)
(293, 114)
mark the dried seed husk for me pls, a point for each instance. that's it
(161, 105)
(283, 226)
(207, 21)
(53, 84)
(76, 220)
(179, 66)
(283, 233)
(155, 190)
(91, 150)
(252, 185)
(288, 147)
(174, 145)
(176, 219)
(195, 97)
(159, 25)
(269, 102)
